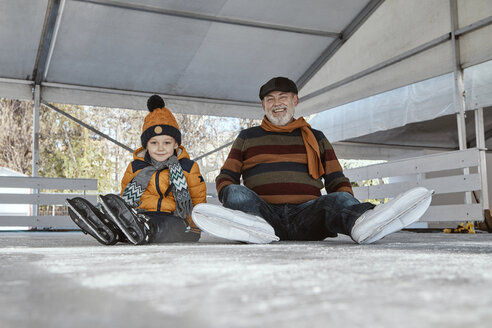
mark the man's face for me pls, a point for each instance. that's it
(280, 106)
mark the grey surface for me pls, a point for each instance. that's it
(134, 47)
(423, 134)
(405, 280)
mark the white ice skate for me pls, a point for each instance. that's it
(392, 216)
(234, 225)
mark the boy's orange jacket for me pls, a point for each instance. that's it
(154, 199)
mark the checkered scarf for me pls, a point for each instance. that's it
(177, 182)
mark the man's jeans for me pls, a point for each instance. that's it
(316, 219)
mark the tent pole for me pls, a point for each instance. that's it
(482, 167)
(35, 141)
(87, 126)
(458, 87)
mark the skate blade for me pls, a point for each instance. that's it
(118, 222)
(88, 226)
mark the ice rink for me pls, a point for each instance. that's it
(407, 279)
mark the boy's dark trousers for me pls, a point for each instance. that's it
(168, 228)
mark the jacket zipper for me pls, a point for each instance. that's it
(159, 202)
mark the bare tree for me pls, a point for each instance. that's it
(69, 150)
(16, 135)
(204, 134)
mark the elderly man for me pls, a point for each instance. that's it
(284, 164)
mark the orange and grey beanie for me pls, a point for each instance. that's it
(160, 121)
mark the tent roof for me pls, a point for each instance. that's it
(205, 57)
(211, 57)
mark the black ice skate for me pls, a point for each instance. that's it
(93, 222)
(136, 227)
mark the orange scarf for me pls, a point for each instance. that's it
(315, 165)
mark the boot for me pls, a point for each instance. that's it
(93, 222)
(392, 216)
(232, 224)
(136, 227)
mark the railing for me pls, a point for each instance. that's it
(44, 191)
(460, 173)
(445, 173)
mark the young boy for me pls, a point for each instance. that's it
(160, 187)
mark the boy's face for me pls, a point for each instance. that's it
(161, 147)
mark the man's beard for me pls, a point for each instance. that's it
(280, 120)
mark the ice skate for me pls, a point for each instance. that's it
(136, 227)
(93, 222)
(392, 216)
(233, 225)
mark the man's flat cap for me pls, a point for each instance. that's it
(278, 84)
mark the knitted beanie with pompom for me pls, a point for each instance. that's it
(160, 121)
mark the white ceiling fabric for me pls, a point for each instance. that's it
(421, 101)
(210, 58)
(397, 27)
(204, 57)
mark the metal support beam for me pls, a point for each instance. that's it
(397, 146)
(211, 18)
(337, 44)
(474, 26)
(212, 151)
(482, 168)
(14, 81)
(35, 141)
(53, 39)
(35, 132)
(146, 94)
(46, 40)
(87, 126)
(458, 87)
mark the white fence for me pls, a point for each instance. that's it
(453, 176)
(463, 172)
(45, 191)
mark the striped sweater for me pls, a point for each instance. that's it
(274, 165)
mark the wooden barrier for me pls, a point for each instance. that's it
(44, 191)
(401, 175)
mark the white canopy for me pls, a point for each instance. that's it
(210, 57)
(425, 109)
(204, 57)
(403, 42)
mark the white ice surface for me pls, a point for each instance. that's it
(405, 280)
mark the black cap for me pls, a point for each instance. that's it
(278, 84)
